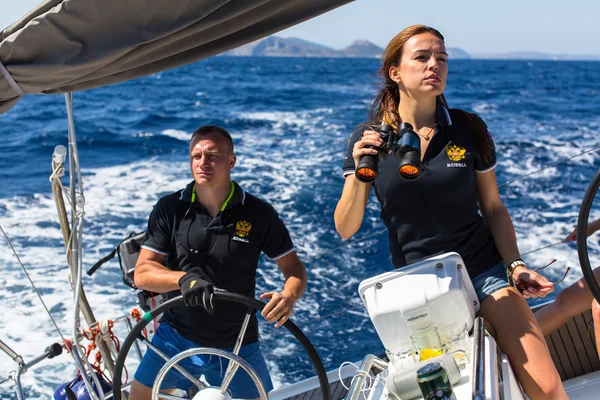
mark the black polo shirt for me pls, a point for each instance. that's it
(224, 249)
(438, 212)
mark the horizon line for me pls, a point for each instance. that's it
(485, 55)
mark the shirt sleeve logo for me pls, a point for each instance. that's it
(455, 153)
(242, 228)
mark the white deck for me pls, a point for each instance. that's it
(585, 387)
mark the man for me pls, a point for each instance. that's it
(212, 233)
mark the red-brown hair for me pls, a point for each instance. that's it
(385, 106)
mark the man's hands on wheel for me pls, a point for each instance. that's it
(279, 308)
(196, 291)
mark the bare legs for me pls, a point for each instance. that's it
(569, 302)
(596, 315)
(520, 337)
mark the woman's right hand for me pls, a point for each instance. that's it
(531, 284)
(369, 137)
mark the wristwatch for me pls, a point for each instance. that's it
(511, 268)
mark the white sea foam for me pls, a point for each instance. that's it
(283, 167)
(285, 123)
(126, 191)
(485, 108)
(178, 134)
(112, 193)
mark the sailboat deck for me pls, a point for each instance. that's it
(573, 347)
(338, 391)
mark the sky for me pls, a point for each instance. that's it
(476, 26)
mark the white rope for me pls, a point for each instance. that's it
(370, 383)
(381, 382)
(104, 334)
(32, 284)
(57, 173)
(358, 373)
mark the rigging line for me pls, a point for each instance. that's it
(9, 377)
(544, 247)
(347, 242)
(349, 308)
(549, 166)
(385, 229)
(57, 173)
(31, 281)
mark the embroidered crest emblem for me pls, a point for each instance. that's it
(242, 228)
(455, 153)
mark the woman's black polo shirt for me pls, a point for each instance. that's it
(225, 250)
(438, 212)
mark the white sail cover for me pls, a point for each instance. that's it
(69, 45)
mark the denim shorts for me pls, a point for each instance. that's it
(490, 281)
(169, 341)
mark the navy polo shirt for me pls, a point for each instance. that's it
(224, 249)
(438, 212)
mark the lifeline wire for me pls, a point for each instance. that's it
(55, 172)
(349, 307)
(549, 166)
(347, 242)
(544, 247)
(9, 377)
(31, 281)
(360, 307)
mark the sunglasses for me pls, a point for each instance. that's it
(550, 263)
(201, 236)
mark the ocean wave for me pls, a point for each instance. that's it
(290, 122)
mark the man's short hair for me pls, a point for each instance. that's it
(206, 129)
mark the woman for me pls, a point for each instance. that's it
(438, 212)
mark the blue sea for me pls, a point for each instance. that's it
(290, 119)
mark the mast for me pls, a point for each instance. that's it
(72, 236)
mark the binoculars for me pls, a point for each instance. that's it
(406, 146)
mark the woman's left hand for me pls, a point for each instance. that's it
(531, 284)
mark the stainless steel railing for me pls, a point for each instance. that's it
(479, 361)
(358, 382)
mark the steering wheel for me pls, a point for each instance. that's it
(581, 233)
(235, 361)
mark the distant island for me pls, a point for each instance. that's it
(275, 46)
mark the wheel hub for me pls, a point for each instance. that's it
(211, 393)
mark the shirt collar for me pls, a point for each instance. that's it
(442, 114)
(239, 194)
